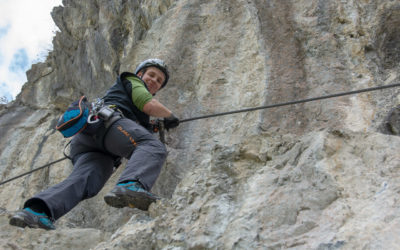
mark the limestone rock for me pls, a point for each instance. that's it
(392, 122)
(318, 175)
(329, 188)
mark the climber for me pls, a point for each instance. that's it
(97, 150)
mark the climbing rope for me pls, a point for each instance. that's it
(238, 111)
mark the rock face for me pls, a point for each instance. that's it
(318, 175)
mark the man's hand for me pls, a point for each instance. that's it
(171, 122)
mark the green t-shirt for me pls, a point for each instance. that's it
(140, 95)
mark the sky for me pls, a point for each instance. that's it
(26, 34)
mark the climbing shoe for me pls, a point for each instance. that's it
(130, 194)
(32, 219)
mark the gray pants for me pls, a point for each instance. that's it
(93, 165)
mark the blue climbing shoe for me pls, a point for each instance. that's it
(32, 219)
(130, 194)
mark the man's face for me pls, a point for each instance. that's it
(153, 78)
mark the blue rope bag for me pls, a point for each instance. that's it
(74, 119)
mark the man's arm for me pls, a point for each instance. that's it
(156, 109)
(145, 102)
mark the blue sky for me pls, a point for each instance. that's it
(26, 33)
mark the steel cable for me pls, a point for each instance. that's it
(33, 170)
(292, 102)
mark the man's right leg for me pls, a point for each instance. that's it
(90, 173)
(146, 156)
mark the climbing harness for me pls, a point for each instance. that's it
(108, 114)
(158, 124)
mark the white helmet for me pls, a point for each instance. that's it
(154, 62)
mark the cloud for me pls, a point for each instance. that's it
(26, 31)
